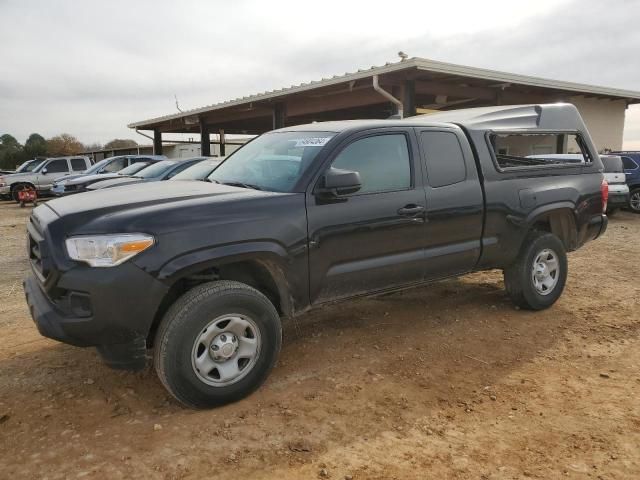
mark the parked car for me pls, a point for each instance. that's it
(199, 171)
(631, 163)
(164, 170)
(43, 175)
(109, 166)
(203, 272)
(615, 177)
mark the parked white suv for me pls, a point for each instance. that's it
(43, 176)
(617, 180)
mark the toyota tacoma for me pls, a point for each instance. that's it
(202, 273)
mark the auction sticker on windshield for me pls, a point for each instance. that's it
(312, 142)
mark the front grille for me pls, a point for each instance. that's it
(38, 253)
(70, 188)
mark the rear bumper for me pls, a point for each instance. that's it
(618, 200)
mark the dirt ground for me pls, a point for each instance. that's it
(448, 381)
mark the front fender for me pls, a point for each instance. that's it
(288, 275)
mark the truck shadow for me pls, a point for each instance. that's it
(431, 334)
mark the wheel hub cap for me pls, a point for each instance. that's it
(224, 346)
(226, 350)
(545, 271)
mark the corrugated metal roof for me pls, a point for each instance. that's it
(422, 64)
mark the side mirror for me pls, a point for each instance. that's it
(337, 182)
(44, 171)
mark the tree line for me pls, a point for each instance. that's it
(13, 153)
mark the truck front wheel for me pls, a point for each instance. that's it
(537, 278)
(217, 344)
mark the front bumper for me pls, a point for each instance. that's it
(58, 190)
(109, 308)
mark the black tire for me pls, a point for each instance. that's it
(14, 192)
(634, 200)
(519, 277)
(184, 323)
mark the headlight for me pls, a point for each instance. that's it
(107, 250)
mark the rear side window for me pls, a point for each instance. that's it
(57, 166)
(612, 164)
(629, 164)
(538, 150)
(382, 161)
(444, 158)
(78, 164)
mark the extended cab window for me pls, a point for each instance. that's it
(383, 162)
(538, 150)
(78, 164)
(444, 157)
(57, 166)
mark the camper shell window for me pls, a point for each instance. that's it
(534, 150)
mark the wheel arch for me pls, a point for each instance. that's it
(559, 219)
(262, 269)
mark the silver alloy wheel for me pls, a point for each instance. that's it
(634, 201)
(545, 271)
(226, 350)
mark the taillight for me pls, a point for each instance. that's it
(604, 190)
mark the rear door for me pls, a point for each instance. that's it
(454, 202)
(373, 239)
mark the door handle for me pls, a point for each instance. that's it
(411, 210)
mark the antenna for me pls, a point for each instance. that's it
(177, 106)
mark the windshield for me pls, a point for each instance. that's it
(274, 161)
(133, 168)
(29, 166)
(97, 166)
(156, 169)
(199, 171)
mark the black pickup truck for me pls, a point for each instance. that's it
(203, 272)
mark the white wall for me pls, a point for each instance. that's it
(604, 120)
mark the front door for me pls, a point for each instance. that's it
(373, 239)
(53, 170)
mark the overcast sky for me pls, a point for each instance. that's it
(91, 67)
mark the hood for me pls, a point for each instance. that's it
(66, 178)
(116, 182)
(83, 179)
(156, 194)
(16, 177)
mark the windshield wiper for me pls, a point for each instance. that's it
(241, 184)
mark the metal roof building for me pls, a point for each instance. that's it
(407, 87)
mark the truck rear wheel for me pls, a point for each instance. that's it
(217, 344)
(537, 278)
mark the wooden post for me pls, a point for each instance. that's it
(409, 98)
(157, 142)
(222, 143)
(205, 139)
(279, 115)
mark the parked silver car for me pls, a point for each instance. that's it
(42, 177)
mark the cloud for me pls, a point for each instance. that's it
(90, 68)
